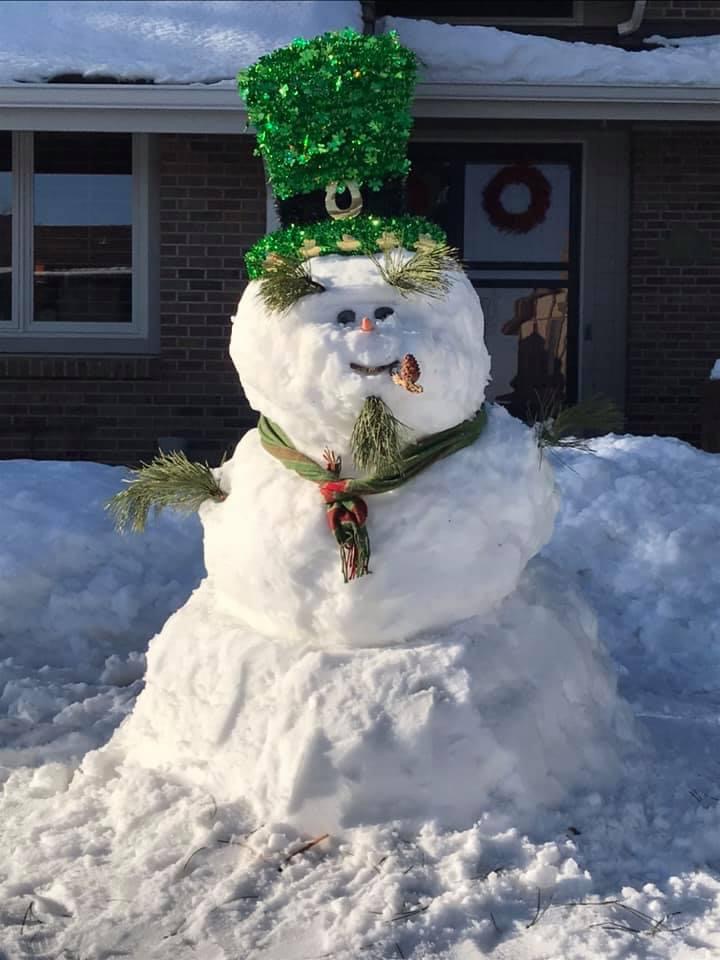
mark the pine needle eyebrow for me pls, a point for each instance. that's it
(285, 281)
(424, 273)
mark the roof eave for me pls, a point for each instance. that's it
(170, 108)
(550, 101)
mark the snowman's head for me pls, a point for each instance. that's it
(311, 367)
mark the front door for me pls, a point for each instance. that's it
(513, 210)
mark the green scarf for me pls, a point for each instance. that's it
(346, 510)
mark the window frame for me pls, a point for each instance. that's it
(24, 334)
(576, 19)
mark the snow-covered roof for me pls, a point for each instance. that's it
(168, 41)
(191, 50)
(474, 54)
(208, 41)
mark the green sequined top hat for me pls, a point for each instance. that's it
(332, 117)
(335, 109)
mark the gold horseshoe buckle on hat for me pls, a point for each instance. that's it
(356, 201)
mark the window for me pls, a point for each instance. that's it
(74, 251)
(5, 227)
(483, 11)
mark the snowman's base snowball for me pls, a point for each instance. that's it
(521, 707)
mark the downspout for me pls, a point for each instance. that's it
(636, 18)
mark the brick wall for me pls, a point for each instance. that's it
(682, 10)
(112, 409)
(674, 316)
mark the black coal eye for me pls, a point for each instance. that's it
(346, 316)
(382, 313)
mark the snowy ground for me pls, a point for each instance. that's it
(134, 866)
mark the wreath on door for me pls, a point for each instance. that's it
(540, 191)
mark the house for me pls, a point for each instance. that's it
(580, 182)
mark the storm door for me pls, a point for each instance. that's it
(513, 212)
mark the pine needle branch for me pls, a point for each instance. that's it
(558, 426)
(377, 437)
(170, 480)
(424, 273)
(285, 281)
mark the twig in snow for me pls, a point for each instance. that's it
(652, 928)
(405, 842)
(399, 951)
(303, 849)
(29, 915)
(381, 861)
(231, 842)
(194, 853)
(409, 913)
(656, 926)
(704, 799)
(495, 924)
(588, 903)
(414, 846)
(215, 808)
(540, 910)
(486, 873)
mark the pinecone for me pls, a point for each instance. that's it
(410, 368)
(408, 374)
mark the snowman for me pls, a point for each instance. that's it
(373, 638)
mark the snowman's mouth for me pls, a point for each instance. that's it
(374, 371)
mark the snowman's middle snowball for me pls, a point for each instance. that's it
(448, 545)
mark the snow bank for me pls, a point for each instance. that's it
(473, 54)
(78, 602)
(168, 41)
(639, 525)
(73, 592)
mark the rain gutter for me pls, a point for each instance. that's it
(217, 109)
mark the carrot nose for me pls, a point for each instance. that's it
(367, 325)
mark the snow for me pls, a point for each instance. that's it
(474, 54)
(208, 41)
(327, 740)
(168, 41)
(648, 570)
(124, 861)
(76, 604)
(715, 372)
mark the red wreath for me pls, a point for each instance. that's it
(540, 191)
